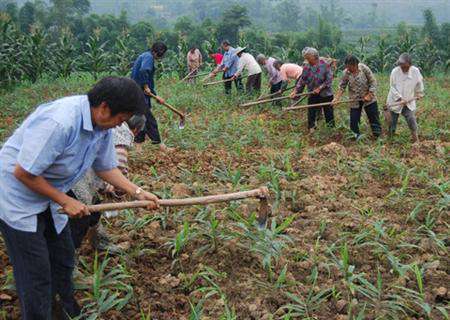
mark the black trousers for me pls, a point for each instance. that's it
(372, 114)
(314, 112)
(237, 83)
(275, 88)
(253, 84)
(42, 262)
(79, 227)
(151, 127)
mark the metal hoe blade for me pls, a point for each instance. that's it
(182, 123)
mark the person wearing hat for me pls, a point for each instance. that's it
(406, 87)
(229, 67)
(44, 158)
(275, 80)
(247, 61)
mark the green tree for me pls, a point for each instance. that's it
(287, 15)
(430, 28)
(12, 10)
(232, 21)
(27, 16)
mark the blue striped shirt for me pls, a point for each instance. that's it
(59, 143)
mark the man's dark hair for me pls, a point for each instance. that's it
(159, 49)
(351, 60)
(122, 95)
(225, 43)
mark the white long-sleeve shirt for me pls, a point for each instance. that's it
(248, 62)
(405, 86)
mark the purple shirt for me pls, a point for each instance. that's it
(317, 76)
(274, 74)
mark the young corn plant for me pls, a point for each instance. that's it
(209, 288)
(304, 306)
(210, 230)
(267, 243)
(177, 245)
(381, 300)
(109, 290)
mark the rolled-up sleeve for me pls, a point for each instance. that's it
(420, 88)
(328, 77)
(371, 81)
(146, 73)
(393, 89)
(343, 83)
(43, 141)
(106, 158)
(301, 83)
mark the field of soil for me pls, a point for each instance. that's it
(359, 229)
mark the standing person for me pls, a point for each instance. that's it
(288, 72)
(275, 81)
(362, 86)
(143, 73)
(247, 61)
(317, 77)
(229, 67)
(89, 188)
(406, 87)
(194, 62)
(50, 151)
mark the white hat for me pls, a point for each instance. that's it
(240, 49)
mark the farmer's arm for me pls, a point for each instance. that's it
(147, 71)
(118, 180)
(343, 83)
(420, 88)
(41, 186)
(300, 86)
(393, 89)
(46, 140)
(105, 166)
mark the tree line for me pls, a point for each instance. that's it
(62, 37)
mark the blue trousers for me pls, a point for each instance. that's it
(42, 262)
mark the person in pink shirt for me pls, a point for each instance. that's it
(288, 71)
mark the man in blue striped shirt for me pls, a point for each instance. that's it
(39, 164)
(229, 67)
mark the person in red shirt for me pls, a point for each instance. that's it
(217, 57)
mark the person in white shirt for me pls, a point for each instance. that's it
(406, 87)
(248, 62)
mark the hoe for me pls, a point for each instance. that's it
(261, 193)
